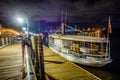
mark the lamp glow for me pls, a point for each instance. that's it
(24, 28)
(20, 20)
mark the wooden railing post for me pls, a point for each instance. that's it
(41, 57)
(37, 71)
(38, 58)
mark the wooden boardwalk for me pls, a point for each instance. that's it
(11, 62)
(58, 68)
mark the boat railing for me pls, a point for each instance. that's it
(90, 37)
(75, 54)
(55, 47)
(93, 55)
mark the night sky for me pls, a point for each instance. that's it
(78, 11)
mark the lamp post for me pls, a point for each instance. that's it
(26, 56)
(21, 20)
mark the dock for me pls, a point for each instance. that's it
(58, 68)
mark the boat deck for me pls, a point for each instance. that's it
(58, 68)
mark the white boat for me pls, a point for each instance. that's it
(88, 49)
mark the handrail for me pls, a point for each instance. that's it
(32, 65)
(29, 65)
(34, 59)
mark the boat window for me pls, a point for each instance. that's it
(103, 47)
(83, 44)
(87, 44)
(51, 40)
(94, 45)
(67, 43)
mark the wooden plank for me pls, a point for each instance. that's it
(11, 62)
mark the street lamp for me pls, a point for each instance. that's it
(26, 56)
(24, 29)
(21, 20)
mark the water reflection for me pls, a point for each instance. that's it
(102, 74)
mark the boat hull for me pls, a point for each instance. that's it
(82, 61)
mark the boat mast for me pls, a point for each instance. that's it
(65, 17)
(61, 16)
(108, 42)
(63, 22)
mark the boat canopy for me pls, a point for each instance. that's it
(80, 38)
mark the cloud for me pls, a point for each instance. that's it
(52, 8)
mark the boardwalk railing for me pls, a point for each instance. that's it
(35, 60)
(4, 41)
